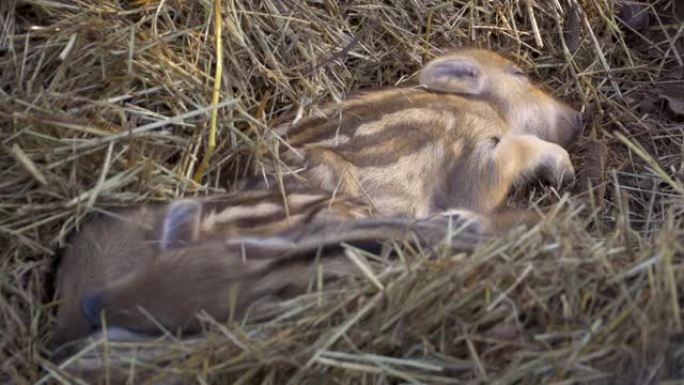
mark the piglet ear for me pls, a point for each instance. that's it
(181, 224)
(453, 74)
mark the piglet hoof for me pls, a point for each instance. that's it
(556, 168)
(464, 220)
(91, 306)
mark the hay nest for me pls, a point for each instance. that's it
(106, 103)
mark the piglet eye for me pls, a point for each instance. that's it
(515, 71)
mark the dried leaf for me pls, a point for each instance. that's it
(506, 331)
(593, 173)
(635, 15)
(676, 104)
(571, 32)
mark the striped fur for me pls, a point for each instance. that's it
(458, 143)
(421, 150)
(111, 247)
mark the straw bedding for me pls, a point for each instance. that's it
(107, 103)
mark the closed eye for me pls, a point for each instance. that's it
(515, 71)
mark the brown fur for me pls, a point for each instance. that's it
(474, 129)
(110, 248)
(450, 143)
(237, 244)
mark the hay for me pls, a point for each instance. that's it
(107, 103)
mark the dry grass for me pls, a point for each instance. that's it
(107, 103)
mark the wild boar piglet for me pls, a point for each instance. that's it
(474, 128)
(114, 245)
(195, 267)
